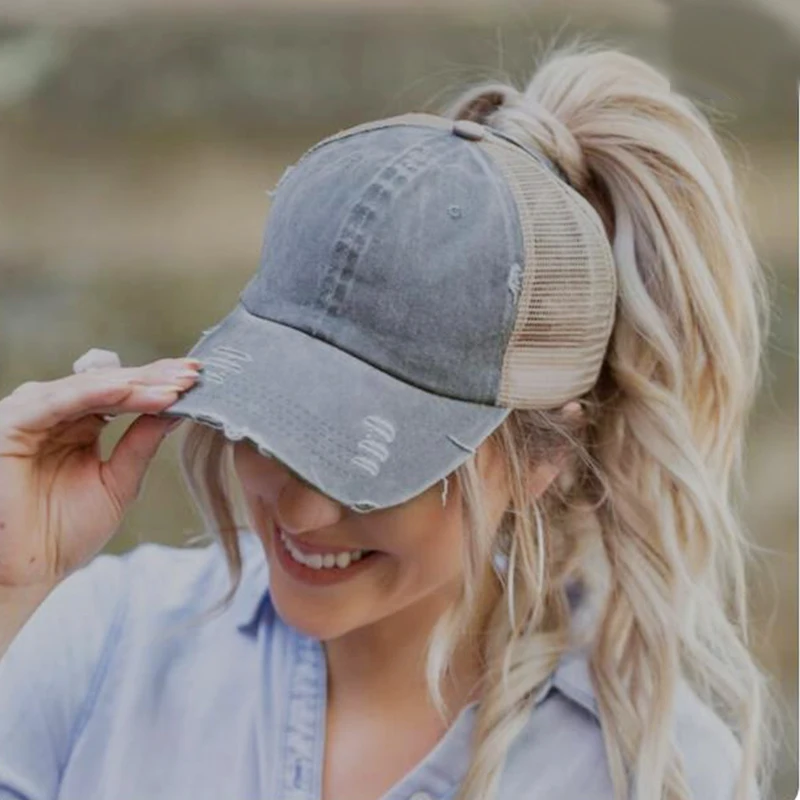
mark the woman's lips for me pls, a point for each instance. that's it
(325, 576)
(310, 549)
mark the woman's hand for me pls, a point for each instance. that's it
(60, 502)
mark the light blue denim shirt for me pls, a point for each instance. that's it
(113, 691)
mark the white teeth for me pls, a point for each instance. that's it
(315, 561)
(320, 561)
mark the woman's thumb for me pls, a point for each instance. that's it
(133, 453)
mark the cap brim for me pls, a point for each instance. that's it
(359, 435)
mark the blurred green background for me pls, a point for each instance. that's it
(138, 139)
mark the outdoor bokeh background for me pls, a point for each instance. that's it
(138, 139)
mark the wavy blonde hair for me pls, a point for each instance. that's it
(643, 513)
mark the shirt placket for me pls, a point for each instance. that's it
(305, 723)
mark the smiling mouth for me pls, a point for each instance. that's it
(320, 561)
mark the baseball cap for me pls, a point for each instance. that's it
(420, 277)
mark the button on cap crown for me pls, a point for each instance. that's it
(468, 129)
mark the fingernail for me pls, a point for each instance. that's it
(192, 363)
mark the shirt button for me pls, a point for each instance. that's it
(420, 796)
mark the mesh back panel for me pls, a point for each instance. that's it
(568, 289)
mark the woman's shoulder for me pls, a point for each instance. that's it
(174, 581)
(565, 730)
(134, 599)
(151, 586)
(103, 619)
(710, 751)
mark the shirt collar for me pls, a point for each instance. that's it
(571, 672)
(251, 603)
(252, 606)
(249, 618)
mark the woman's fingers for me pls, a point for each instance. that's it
(36, 407)
(60, 503)
(96, 358)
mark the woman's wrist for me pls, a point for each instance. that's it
(17, 605)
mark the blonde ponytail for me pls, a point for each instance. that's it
(667, 420)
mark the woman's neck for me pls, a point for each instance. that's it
(383, 664)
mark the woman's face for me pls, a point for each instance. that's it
(411, 553)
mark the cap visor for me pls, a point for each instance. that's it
(359, 435)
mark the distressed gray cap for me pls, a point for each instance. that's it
(419, 278)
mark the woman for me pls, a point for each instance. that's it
(466, 445)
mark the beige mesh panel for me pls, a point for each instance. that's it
(568, 289)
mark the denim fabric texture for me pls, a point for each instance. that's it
(115, 691)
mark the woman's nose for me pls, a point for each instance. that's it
(301, 508)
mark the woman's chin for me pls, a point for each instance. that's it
(319, 620)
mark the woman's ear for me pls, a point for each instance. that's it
(546, 473)
(543, 476)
